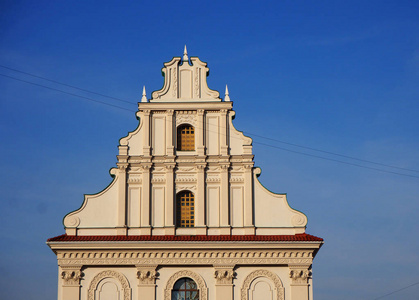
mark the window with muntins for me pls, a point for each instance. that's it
(185, 209)
(185, 289)
(186, 138)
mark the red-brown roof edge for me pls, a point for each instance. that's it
(302, 237)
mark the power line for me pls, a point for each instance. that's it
(267, 145)
(249, 133)
(332, 153)
(67, 85)
(61, 91)
(336, 160)
(396, 291)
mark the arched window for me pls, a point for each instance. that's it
(185, 289)
(185, 209)
(186, 138)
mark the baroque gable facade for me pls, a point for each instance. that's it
(185, 215)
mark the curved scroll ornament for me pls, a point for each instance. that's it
(202, 287)
(106, 274)
(262, 273)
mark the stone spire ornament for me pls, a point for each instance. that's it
(227, 97)
(144, 97)
(185, 54)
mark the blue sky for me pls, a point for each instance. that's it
(340, 76)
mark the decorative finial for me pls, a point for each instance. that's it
(227, 97)
(144, 97)
(185, 54)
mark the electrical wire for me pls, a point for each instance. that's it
(61, 91)
(263, 144)
(331, 153)
(248, 133)
(67, 85)
(396, 291)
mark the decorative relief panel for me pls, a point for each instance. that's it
(300, 276)
(186, 257)
(262, 273)
(188, 117)
(147, 275)
(224, 276)
(106, 274)
(71, 277)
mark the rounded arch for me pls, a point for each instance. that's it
(255, 277)
(120, 278)
(202, 287)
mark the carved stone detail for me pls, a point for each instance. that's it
(213, 179)
(147, 275)
(300, 276)
(105, 274)
(158, 180)
(135, 179)
(202, 287)
(71, 277)
(224, 275)
(262, 273)
(185, 179)
(228, 257)
(174, 91)
(181, 186)
(182, 117)
(236, 179)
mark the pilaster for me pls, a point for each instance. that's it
(200, 147)
(200, 200)
(169, 201)
(122, 199)
(248, 199)
(224, 199)
(223, 132)
(299, 275)
(146, 124)
(169, 132)
(70, 279)
(224, 276)
(146, 281)
(145, 199)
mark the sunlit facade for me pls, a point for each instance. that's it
(185, 216)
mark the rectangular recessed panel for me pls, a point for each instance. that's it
(237, 206)
(212, 136)
(213, 206)
(158, 207)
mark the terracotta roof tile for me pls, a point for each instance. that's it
(303, 237)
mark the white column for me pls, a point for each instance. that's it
(223, 132)
(299, 282)
(170, 126)
(145, 200)
(169, 201)
(224, 276)
(146, 282)
(200, 129)
(200, 200)
(122, 196)
(70, 279)
(147, 129)
(224, 200)
(248, 199)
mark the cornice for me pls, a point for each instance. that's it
(184, 106)
(173, 257)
